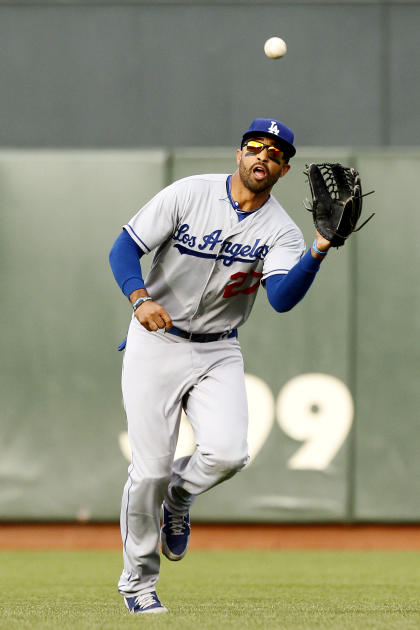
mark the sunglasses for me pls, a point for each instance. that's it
(255, 147)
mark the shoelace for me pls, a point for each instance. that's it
(146, 600)
(177, 524)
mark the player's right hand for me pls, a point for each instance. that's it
(153, 316)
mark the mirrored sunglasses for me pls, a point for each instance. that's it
(255, 147)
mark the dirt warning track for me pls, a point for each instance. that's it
(217, 536)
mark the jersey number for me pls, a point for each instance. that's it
(239, 279)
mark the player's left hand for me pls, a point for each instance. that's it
(336, 201)
(321, 243)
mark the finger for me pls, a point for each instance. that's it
(317, 183)
(167, 320)
(358, 197)
(159, 321)
(140, 319)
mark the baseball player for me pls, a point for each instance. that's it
(216, 239)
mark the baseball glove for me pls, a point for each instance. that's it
(336, 200)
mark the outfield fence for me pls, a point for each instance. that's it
(332, 386)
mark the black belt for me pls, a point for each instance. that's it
(203, 337)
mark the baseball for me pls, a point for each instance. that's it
(275, 47)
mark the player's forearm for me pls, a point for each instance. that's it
(285, 291)
(124, 259)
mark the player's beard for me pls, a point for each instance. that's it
(251, 183)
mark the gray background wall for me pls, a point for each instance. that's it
(193, 73)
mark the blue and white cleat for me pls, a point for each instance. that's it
(175, 534)
(145, 603)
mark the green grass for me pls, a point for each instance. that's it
(216, 590)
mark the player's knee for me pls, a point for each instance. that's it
(225, 466)
(231, 456)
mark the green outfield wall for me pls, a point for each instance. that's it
(333, 386)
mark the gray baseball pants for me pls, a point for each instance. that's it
(163, 374)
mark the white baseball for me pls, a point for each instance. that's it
(275, 47)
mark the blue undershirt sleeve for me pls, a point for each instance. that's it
(284, 291)
(124, 259)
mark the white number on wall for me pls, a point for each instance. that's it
(316, 409)
(124, 445)
(186, 442)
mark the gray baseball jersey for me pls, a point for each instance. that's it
(208, 265)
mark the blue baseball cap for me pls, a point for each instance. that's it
(273, 129)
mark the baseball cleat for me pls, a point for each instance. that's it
(145, 603)
(175, 534)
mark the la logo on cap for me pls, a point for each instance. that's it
(274, 128)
